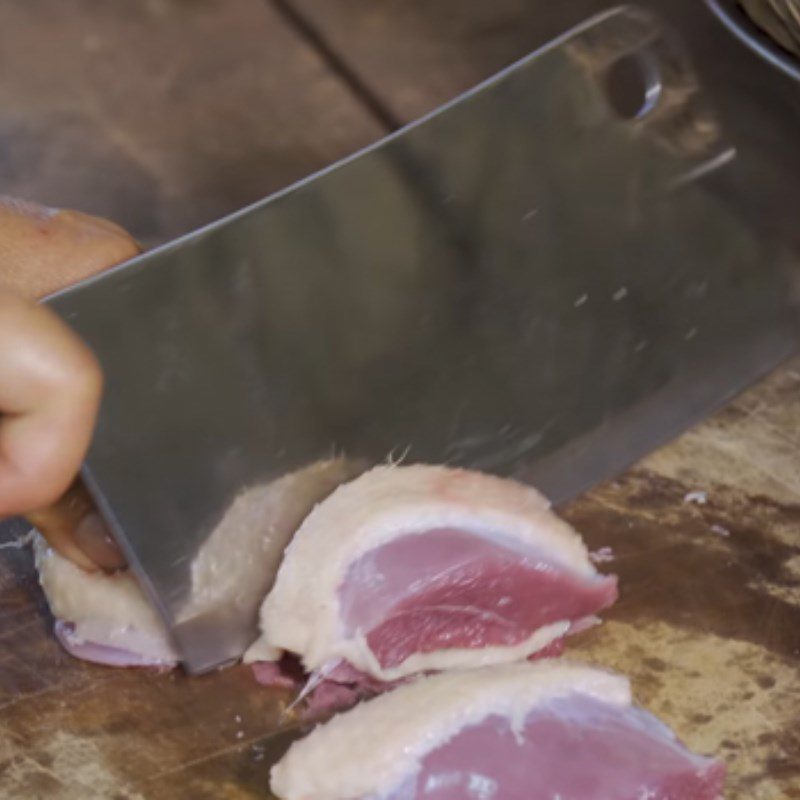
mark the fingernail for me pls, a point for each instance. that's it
(26, 208)
(92, 224)
(94, 539)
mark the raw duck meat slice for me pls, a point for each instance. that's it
(513, 732)
(572, 747)
(237, 563)
(136, 654)
(421, 568)
(100, 617)
(449, 589)
(106, 619)
(337, 688)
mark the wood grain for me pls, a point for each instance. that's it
(706, 536)
(71, 730)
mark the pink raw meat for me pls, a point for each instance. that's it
(103, 654)
(447, 589)
(284, 674)
(438, 590)
(571, 748)
(553, 730)
(422, 569)
(344, 685)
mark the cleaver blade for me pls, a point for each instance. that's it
(546, 279)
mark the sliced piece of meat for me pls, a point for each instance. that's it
(419, 569)
(135, 655)
(514, 732)
(340, 687)
(236, 565)
(572, 747)
(102, 618)
(105, 618)
(322, 693)
(449, 588)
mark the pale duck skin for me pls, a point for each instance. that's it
(302, 613)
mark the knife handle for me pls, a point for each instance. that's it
(74, 528)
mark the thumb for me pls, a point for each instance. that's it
(43, 250)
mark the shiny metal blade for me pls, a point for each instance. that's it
(546, 278)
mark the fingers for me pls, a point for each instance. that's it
(93, 538)
(50, 388)
(50, 382)
(43, 249)
(58, 522)
(75, 530)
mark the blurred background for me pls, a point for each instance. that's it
(167, 114)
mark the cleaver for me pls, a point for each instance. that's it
(545, 279)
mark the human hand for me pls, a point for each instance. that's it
(50, 382)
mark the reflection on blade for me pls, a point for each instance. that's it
(510, 284)
(236, 565)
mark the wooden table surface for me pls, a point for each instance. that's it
(165, 114)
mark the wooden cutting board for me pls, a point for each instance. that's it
(706, 541)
